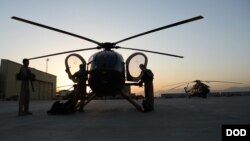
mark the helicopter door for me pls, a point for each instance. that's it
(132, 66)
(72, 64)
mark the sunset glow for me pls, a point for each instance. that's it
(214, 48)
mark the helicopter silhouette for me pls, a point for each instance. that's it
(107, 74)
(199, 88)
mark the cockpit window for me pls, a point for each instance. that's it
(72, 62)
(134, 63)
(132, 66)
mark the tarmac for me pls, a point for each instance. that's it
(176, 119)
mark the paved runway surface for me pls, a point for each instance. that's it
(179, 119)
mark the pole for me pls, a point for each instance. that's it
(47, 60)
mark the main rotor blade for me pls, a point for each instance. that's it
(176, 87)
(223, 82)
(55, 29)
(161, 28)
(177, 84)
(151, 52)
(62, 53)
(65, 86)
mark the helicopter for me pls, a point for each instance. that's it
(107, 71)
(199, 88)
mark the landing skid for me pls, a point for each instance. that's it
(92, 95)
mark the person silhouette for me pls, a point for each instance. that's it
(147, 79)
(80, 77)
(24, 98)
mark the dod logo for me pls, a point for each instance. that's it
(235, 132)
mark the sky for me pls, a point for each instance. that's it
(214, 48)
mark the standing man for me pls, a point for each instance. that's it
(147, 79)
(80, 78)
(25, 76)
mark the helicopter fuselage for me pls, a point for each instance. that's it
(106, 73)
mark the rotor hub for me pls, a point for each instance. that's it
(107, 45)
